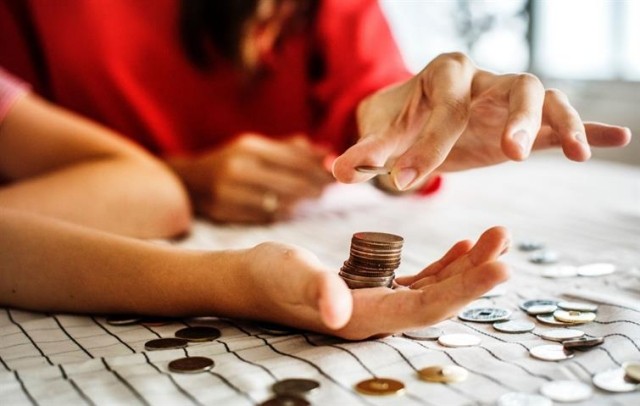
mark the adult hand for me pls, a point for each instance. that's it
(254, 179)
(454, 116)
(296, 290)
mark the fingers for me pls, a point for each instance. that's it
(566, 125)
(459, 249)
(603, 135)
(526, 97)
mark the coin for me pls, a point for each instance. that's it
(561, 334)
(152, 321)
(514, 326)
(578, 306)
(295, 386)
(380, 387)
(582, 343)
(539, 306)
(427, 333)
(544, 257)
(165, 344)
(566, 391)
(191, 365)
(530, 245)
(551, 352)
(549, 319)
(123, 319)
(559, 271)
(374, 170)
(573, 316)
(373, 259)
(285, 400)
(632, 371)
(443, 373)
(274, 329)
(485, 314)
(459, 340)
(198, 333)
(613, 380)
(599, 269)
(523, 399)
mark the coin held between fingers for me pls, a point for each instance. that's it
(270, 202)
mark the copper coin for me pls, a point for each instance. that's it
(380, 387)
(582, 343)
(198, 334)
(295, 386)
(165, 344)
(191, 365)
(285, 400)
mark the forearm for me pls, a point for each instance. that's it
(49, 265)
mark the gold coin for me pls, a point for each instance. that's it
(380, 387)
(445, 374)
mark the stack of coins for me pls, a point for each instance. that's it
(373, 259)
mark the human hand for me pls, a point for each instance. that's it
(454, 116)
(254, 179)
(297, 290)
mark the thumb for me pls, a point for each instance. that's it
(332, 298)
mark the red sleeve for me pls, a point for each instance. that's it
(360, 57)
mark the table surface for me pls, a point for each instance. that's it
(586, 212)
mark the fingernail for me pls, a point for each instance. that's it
(580, 138)
(522, 139)
(404, 178)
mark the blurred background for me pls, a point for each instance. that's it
(590, 49)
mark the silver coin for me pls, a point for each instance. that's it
(485, 314)
(572, 316)
(599, 269)
(123, 319)
(198, 334)
(632, 371)
(459, 340)
(614, 380)
(191, 365)
(374, 170)
(165, 344)
(566, 391)
(539, 306)
(552, 321)
(295, 386)
(514, 326)
(443, 374)
(561, 334)
(544, 257)
(523, 399)
(285, 400)
(551, 352)
(559, 271)
(530, 245)
(427, 333)
(578, 306)
(582, 343)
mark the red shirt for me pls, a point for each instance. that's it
(120, 63)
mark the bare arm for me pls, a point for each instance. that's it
(58, 164)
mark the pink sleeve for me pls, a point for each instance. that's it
(11, 88)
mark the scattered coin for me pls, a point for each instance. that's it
(545, 257)
(427, 333)
(198, 333)
(539, 306)
(373, 259)
(514, 326)
(459, 340)
(191, 365)
(485, 314)
(523, 399)
(632, 371)
(613, 380)
(123, 319)
(561, 334)
(559, 271)
(566, 391)
(599, 269)
(295, 386)
(274, 329)
(578, 306)
(165, 344)
(444, 374)
(549, 319)
(285, 400)
(374, 170)
(551, 352)
(530, 245)
(156, 321)
(380, 387)
(582, 343)
(572, 316)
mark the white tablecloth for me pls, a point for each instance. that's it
(586, 212)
